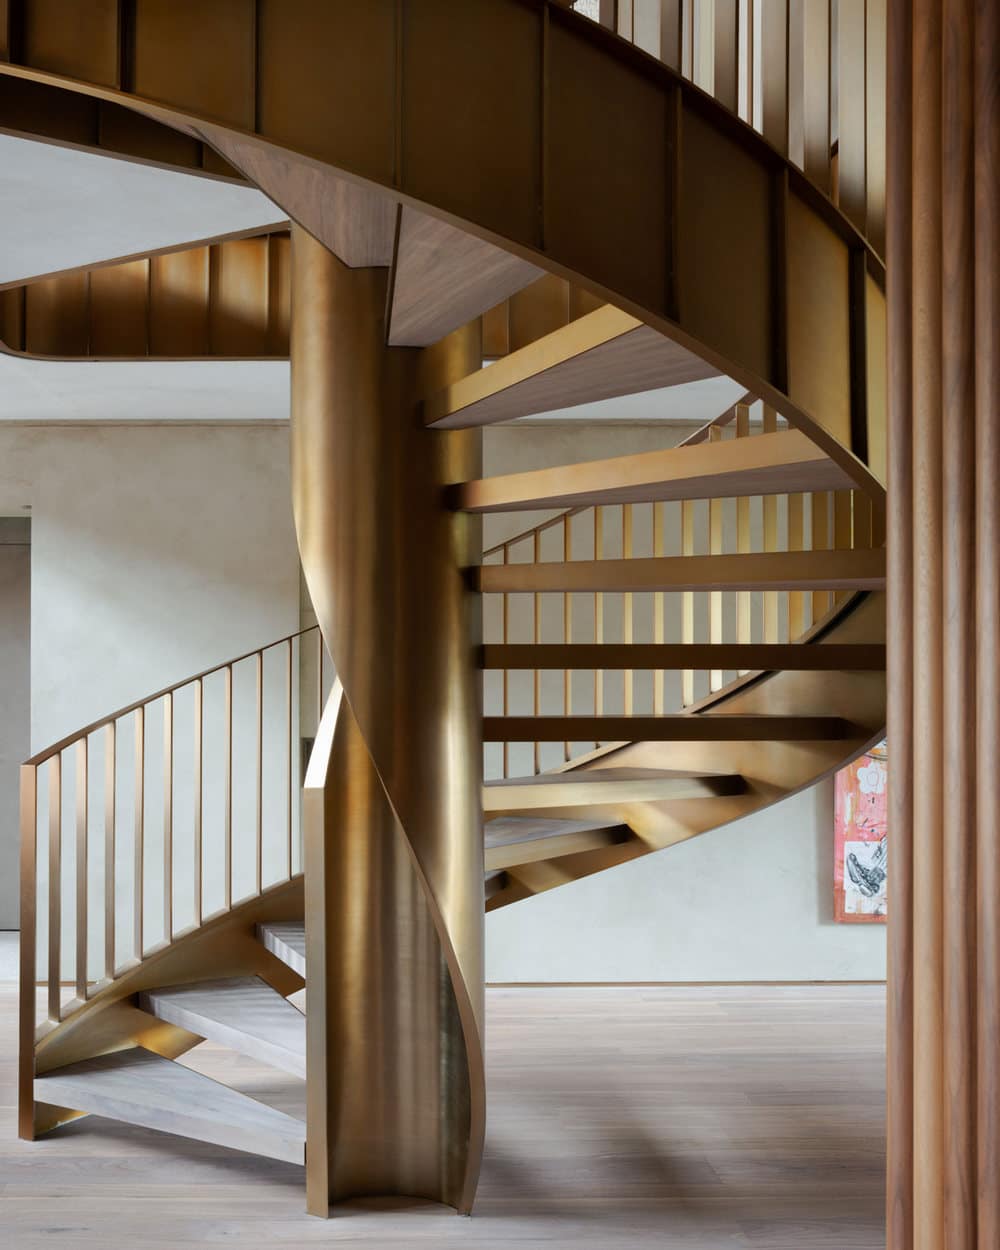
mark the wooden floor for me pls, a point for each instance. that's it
(717, 1118)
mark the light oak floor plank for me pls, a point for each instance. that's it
(625, 1118)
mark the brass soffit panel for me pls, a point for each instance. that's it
(632, 241)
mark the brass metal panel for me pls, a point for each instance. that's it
(123, 131)
(118, 309)
(196, 56)
(326, 81)
(774, 72)
(238, 311)
(12, 319)
(819, 355)
(74, 39)
(178, 308)
(606, 168)
(724, 272)
(740, 656)
(56, 316)
(725, 38)
(768, 570)
(456, 67)
(388, 1107)
(815, 34)
(767, 464)
(383, 562)
(279, 294)
(875, 123)
(875, 354)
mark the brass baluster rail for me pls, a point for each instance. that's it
(56, 905)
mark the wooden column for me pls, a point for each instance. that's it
(944, 625)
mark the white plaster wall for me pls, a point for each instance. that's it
(157, 551)
(752, 901)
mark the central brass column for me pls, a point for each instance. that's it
(393, 820)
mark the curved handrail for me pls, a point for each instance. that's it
(63, 744)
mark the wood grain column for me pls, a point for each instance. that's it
(944, 625)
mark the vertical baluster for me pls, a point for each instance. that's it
(851, 110)
(725, 52)
(110, 896)
(703, 47)
(139, 831)
(688, 39)
(320, 662)
(291, 754)
(227, 788)
(843, 530)
(687, 600)
(27, 1002)
(744, 601)
(628, 607)
(567, 631)
(715, 517)
(875, 123)
(774, 73)
(537, 636)
(796, 542)
(506, 671)
(809, 88)
(82, 798)
(746, 60)
(55, 886)
(259, 833)
(863, 534)
(820, 507)
(770, 507)
(168, 817)
(659, 602)
(671, 33)
(199, 796)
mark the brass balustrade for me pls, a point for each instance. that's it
(281, 710)
(769, 523)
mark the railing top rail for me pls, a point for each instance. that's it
(696, 436)
(47, 753)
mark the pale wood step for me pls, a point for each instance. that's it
(244, 1013)
(513, 840)
(737, 657)
(138, 1087)
(494, 882)
(863, 569)
(286, 940)
(602, 355)
(767, 464)
(605, 785)
(714, 727)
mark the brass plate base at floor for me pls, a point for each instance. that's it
(620, 1118)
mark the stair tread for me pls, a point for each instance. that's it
(511, 830)
(286, 940)
(672, 727)
(138, 1087)
(244, 1013)
(772, 463)
(604, 775)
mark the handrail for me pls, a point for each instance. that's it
(46, 754)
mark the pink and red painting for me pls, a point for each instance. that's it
(859, 839)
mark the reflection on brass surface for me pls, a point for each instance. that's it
(383, 560)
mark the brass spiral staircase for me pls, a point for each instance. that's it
(685, 636)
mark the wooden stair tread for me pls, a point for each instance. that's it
(738, 657)
(513, 840)
(576, 788)
(138, 1087)
(776, 463)
(286, 940)
(444, 277)
(243, 1013)
(679, 727)
(602, 355)
(863, 569)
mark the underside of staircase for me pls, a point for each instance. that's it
(455, 260)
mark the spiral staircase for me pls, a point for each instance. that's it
(685, 636)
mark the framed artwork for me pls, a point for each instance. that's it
(859, 839)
